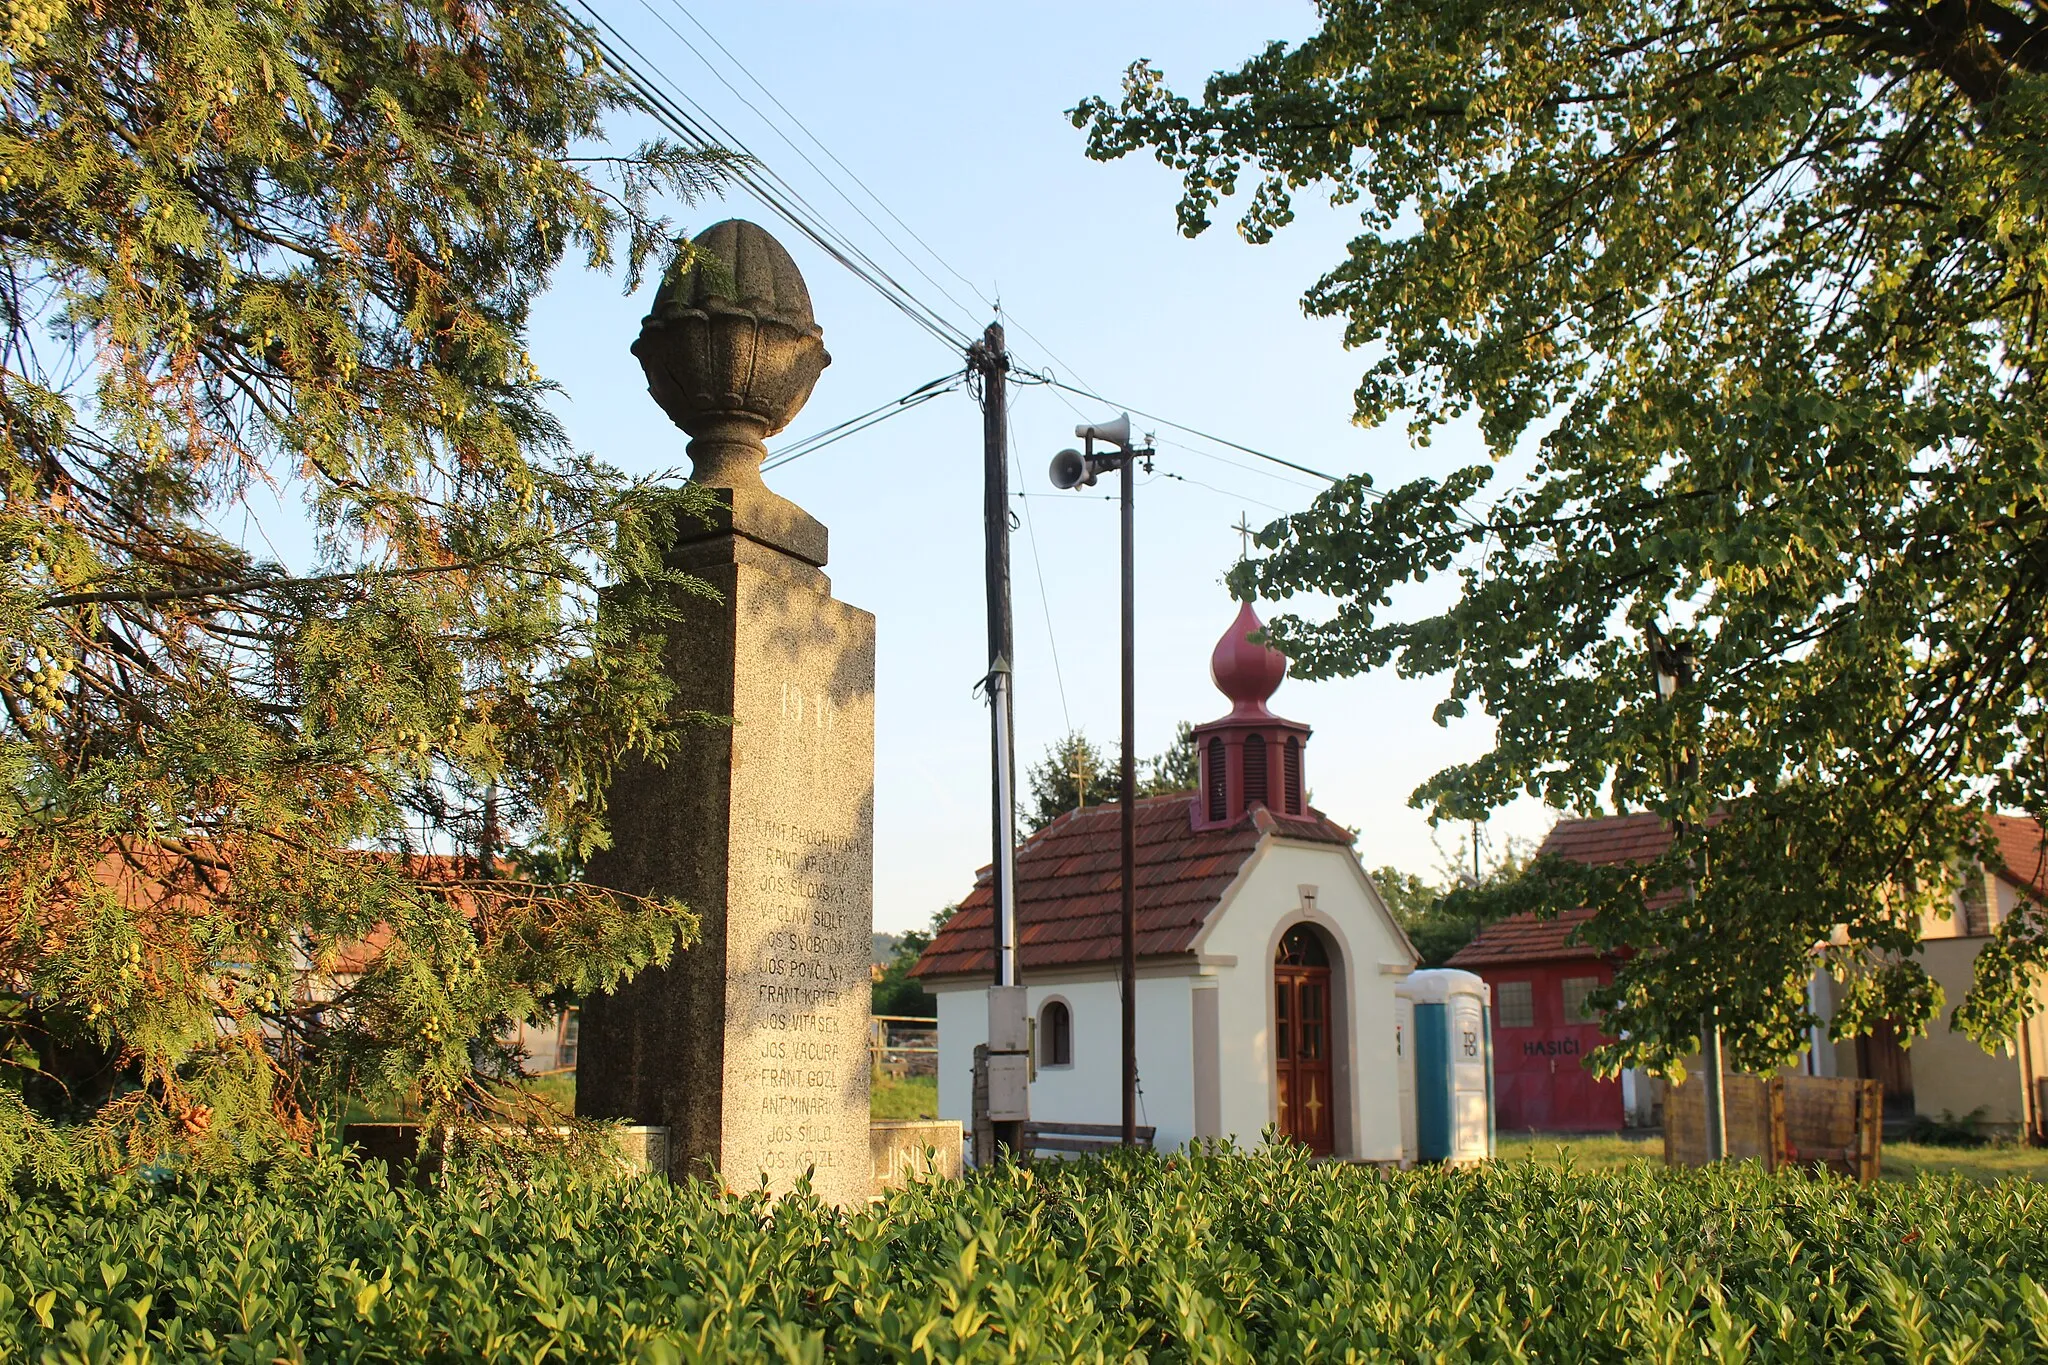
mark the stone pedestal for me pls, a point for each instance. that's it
(914, 1149)
(751, 1047)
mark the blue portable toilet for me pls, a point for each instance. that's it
(1444, 1035)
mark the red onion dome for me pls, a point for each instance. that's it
(1246, 671)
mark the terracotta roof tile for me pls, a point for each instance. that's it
(1608, 839)
(1639, 838)
(1069, 886)
(1525, 938)
(1595, 842)
(2022, 851)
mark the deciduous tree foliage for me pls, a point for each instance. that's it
(263, 253)
(1758, 290)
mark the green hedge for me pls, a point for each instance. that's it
(1228, 1256)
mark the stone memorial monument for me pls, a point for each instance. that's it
(751, 1046)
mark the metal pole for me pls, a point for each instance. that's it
(1710, 1061)
(1129, 798)
(993, 361)
(1674, 668)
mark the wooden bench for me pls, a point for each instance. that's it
(1048, 1136)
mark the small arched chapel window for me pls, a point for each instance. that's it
(1055, 1034)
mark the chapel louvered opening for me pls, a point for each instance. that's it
(1219, 807)
(1290, 774)
(1255, 770)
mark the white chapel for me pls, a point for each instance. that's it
(1267, 962)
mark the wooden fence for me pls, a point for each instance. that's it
(899, 1046)
(1783, 1121)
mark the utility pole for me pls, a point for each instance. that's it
(1075, 469)
(1128, 795)
(1008, 1058)
(1674, 666)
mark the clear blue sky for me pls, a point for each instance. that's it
(954, 116)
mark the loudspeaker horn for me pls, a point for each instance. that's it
(1116, 433)
(1070, 470)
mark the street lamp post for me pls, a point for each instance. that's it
(1674, 665)
(1078, 469)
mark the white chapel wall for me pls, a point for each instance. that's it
(963, 1025)
(1247, 928)
(1090, 1090)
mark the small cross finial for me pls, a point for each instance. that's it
(1244, 534)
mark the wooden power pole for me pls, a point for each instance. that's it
(1008, 1059)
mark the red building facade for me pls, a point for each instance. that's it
(1542, 1038)
(1543, 1030)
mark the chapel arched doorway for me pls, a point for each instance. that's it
(1304, 1039)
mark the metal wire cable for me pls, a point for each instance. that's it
(1038, 567)
(879, 201)
(705, 132)
(875, 416)
(1243, 497)
(1057, 383)
(754, 174)
(1006, 316)
(790, 142)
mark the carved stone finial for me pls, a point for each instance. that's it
(732, 351)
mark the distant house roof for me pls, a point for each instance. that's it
(1526, 938)
(1596, 842)
(157, 879)
(2023, 852)
(1069, 884)
(1608, 839)
(1611, 839)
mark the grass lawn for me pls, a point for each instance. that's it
(913, 1097)
(1588, 1153)
(1900, 1160)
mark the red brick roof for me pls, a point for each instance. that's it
(1608, 839)
(1596, 842)
(1069, 885)
(1639, 838)
(1525, 938)
(2022, 851)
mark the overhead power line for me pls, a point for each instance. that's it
(875, 416)
(822, 174)
(1470, 518)
(701, 131)
(704, 131)
(1192, 431)
(1044, 597)
(666, 101)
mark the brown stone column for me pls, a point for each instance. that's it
(751, 1047)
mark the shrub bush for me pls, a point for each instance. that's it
(1948, 1130)
(1224, 1256)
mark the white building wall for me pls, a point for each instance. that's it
(1091, 1089)
(1266, 902)
(963, 1026)
(1373, 956)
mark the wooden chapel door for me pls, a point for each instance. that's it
(1302, 1038)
